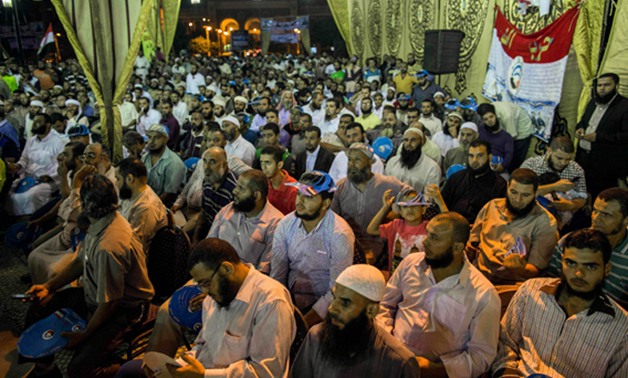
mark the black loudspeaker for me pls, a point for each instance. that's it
(442, 51)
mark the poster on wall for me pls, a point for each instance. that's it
(528, 70)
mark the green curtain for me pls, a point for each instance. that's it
(105, 47)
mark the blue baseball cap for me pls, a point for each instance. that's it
(313, 183)
(78, 130)
(422, 73)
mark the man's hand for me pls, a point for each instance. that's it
(194, 370)
(13, 168)
(563, 185)
(75, 338)
(175, 208)
(590, 137)
(45, 178)
(81, 174)
(562, 204)
(515, 263)
(42, 292)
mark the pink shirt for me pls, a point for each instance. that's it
(407, 236)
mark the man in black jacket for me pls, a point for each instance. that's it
(315, 157)
(602, 135)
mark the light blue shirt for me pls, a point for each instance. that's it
(309, 263)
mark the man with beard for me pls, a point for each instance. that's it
(128, 113)
(336, 142)
(194, 80)
(166, 171)
(428, 118)
(74, 114)
(193, 138)
(425, 88)
(603, 137)
(260, 118)
(315, 108)
(441, 307)
(566, 327)
(219, 109)
(403, 104)
(248, 223)
(44, 260)
(248, 321)
(171, 123)
(513, 238)
(315, 157)
(207, 110)
(179, 108)
(134, 144)
(466, 192)
(610, 217)
(358, 197)
(147, 116)
(217, 189)
(115, 288)
(311, 247)
(237, 146)
(329, 126)
(39, 163)
(368, 119)
(502, 143)
(36, 107)
(139, 204)
(458, 155)
(97, 156)
(349, 343)
(411, 166)
(391, 127)
(569, 192)
(8, 135)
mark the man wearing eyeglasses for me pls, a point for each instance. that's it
(248, 321)
(98, 157)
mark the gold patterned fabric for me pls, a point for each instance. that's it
(616, 55)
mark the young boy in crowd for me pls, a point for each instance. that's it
(405, 234)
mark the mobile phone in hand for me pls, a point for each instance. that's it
(24, 297)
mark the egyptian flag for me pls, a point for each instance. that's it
(49, 38)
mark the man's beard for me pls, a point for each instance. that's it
(219, 113)
(125, 192)
(481, 170)
(410, 158)
(606, 98)
(520, 213)
(39, 130)
(262, 113)
(493, 128)
(339, 346)
(245, 205)
(357, 176)
(404, 107)
(315, 106)
(309, 217)
(208, 116)
(227, 291)
(587, 296)
(367, 112)
(442, 261)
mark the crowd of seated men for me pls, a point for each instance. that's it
(458, 254)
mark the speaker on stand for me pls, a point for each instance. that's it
(442, 51)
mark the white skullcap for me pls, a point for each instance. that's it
(231, 119)
(439, 94)
(469, 125)
(213, 87)
(37, 103)
(241, 99)
(365, 280)
(219, 102)
(72, 102)
(413, 130)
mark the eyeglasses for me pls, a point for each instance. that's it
(89, 156)
(208, 282)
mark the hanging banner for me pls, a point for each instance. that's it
(528, 70)
(239, 40)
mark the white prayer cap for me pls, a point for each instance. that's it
(365, 280)
(72, 102)
(231, 119)
(241, 99)
(469, 125)
(161, 129)
(37, 103)
(218, 102)
(413, 130)
(213, 87)
(439, 94)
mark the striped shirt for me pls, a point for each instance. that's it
(616, 283)
(214, 200)
(538, 337)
